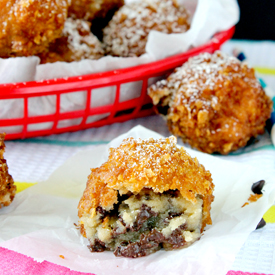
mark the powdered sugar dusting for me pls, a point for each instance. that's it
(81, 41)
(126, 34)
(203, 72)
(147, 157)
(157, 164)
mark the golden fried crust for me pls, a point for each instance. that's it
(28, 26)
(91, 9)
(126, 34)
(76, 43)
(156, 164)
(7, 187)
(214, 103)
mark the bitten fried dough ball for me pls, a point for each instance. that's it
(76, 43)
(91, 9)
(7, 187)
(28, 26)
(213, 102)
(149, 194)
(126, 34)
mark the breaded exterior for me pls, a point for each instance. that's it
(213, 102)
(127, 33)
(158, 165)
(7, 187)
(92, 9)
(76, 43)
(28, 26)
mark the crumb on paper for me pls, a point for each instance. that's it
(252, 198)
(61, 256)
(76, 226)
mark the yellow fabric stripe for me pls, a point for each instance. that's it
(23, 185)
(269, 215)
(263, 70)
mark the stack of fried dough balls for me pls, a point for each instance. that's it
(72, 30)
(43, 28)
(213, 102)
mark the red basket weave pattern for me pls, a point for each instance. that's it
(28, 125)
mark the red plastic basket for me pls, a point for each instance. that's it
(30, 126)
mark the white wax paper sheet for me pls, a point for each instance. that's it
(18, 69)
(40, 221)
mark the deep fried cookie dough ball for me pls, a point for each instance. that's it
(76, 43)
(28, 26)
(148, 195)
(91, 9)
(7, 186)
(126, 34)
(213, 102)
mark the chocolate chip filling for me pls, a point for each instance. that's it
(143, 216)
(148, 243)
(98, 246)
(257, 187)
(261, 224)
(144, 223)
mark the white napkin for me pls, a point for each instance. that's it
(46, 214)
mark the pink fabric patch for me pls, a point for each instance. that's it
(231, 272)
(18, 264)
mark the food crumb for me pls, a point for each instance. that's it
(252, 198)
(76, 226)
(61, 256)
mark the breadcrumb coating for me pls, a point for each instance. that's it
(7, 187)
(76, 43)
(213, 102)
(126, 34)
(155, 164)
(28, 26)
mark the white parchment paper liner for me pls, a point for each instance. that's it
(208, 18)
(46, 214)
